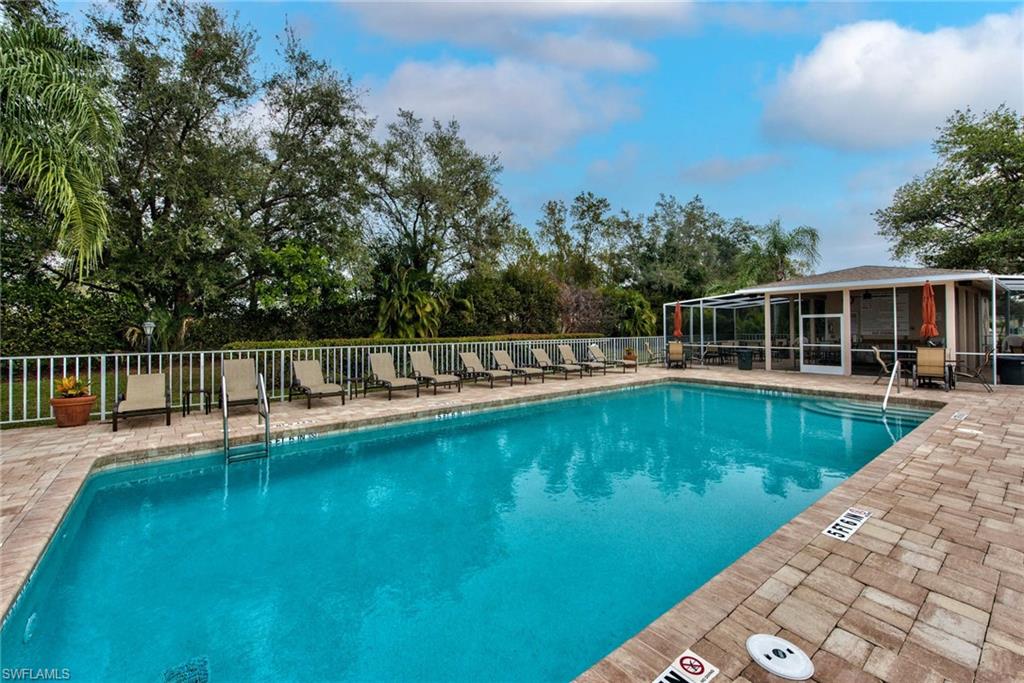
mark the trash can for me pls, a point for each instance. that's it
(745, 359)
(1011, 371)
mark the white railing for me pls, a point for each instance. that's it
(26, 382)
(894, 376)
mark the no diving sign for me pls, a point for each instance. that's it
(688, 667)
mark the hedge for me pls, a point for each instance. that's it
(379, 341)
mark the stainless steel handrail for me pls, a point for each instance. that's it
(224, 410)
(894, 375)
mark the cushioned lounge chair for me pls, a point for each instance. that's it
(676, 356)
(308, 380)
(144, 395)
(569, 358)
(504, 362)
(383, 375)
(473, 368)
(239, 376)
(545, 364)
(423, 370)
(598, 355)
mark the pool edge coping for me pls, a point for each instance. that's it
(145, 456)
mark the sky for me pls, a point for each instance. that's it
(811, 113)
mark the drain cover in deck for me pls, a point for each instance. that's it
(780, 657)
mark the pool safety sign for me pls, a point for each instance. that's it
(688, 667)
(847, 524)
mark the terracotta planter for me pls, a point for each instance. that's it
(72, 412)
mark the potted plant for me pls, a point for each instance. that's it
(629, 353)
(72, 403)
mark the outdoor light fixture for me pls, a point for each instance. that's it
(148, 328)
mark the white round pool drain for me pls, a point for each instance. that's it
(780, 657)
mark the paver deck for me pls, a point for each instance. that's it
(931, 588)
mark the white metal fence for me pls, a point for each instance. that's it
(28, 381)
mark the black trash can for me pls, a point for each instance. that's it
(745, 359)
(1011, 371)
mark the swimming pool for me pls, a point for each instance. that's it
(516, 544)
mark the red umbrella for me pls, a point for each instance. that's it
(928, 327)
(678, 331)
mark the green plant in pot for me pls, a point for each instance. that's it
(72, 403)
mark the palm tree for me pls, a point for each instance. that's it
(779, 255)
(59, 130)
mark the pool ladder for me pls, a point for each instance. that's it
(261, 449)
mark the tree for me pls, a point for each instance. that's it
(435, 201)
(60, 130)
(223, 179)
(968, 211)
(780, 255)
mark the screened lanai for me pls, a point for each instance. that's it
(851, 321)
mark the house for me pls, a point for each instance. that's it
(833, 322)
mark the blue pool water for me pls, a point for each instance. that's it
(520, 545)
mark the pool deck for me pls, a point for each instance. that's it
(931, 588)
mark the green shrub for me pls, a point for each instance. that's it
(370, 341)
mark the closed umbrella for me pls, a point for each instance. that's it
(678, 319)
(928, 327)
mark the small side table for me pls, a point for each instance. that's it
(186, 402)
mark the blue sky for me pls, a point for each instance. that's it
(811, 113)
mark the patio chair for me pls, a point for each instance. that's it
(144, 395)
(504, 362)
(238, 375)
(1014, 343)
(884, 369)
(423, 370)
(962, 370)
(308, 380)
(652, 355)
(676, 356)
(382, 374)
(569, 358)
(473, 368)
(931, 366)
(545, 364)
(712, 353)
(598, 355)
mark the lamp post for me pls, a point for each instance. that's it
(148, 328)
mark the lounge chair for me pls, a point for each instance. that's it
(652, 355)
(712, 353)
(504, 362)
(676, 356)
(598, 355)
(144, 395)
(383, 374)
(569, 358)
(423, 370)
(239, 377)
(977, 373)
(473, 368)
(884, 369)
(308, 380)
(930, 366)
(545, 364)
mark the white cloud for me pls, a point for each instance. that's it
(877, 84)
(724, 169)
(523, 112)
(567, 34)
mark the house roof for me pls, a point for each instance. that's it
(866, 275)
